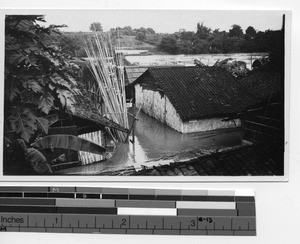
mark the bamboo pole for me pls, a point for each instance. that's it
(107, 69)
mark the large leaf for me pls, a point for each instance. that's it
(33, 85)
(45, 102)
(66, 98)
(68, 142)
(43, 124)
(23, 122)
(71, 79)
(37, 161)
(52, 118)
(25, 25)
(15, 57)
(57, 79)
(11, 90)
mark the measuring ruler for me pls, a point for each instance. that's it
(127, 211)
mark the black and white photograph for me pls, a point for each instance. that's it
(145, 93)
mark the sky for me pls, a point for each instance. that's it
(163, 21)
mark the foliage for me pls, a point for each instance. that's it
(202, 31)
(37, 161)
(141, 36)
(236, 31)
(168, 44)
(128, 31)
(96, 26)
(69, 142)
(38, 76)
(204, 40)
(251, 31)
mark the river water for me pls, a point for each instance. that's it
(157, 144)
(188, 60)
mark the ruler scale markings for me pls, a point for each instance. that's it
(91, 209)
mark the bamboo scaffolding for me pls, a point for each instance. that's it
(107, 69)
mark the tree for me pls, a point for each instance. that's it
(203, 31)
(70, 45)
(150, 30)
(168, 44)
(96, 26)
(251, 31)
(38, 77)
(141, 36)
(236, 31)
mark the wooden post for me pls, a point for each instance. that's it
(134, 119)
(132, 125)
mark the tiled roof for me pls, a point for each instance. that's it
(200, 92)
(249, 160)
(263, 84)
(133, 72)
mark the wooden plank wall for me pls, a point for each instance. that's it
(265, 124)
(98, 138)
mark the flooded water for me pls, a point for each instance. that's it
(188, 60)
(157, 144)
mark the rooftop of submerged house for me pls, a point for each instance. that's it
(245, 161)
(260, 159)
(263, 84)
(198, 92)
(133, 72)
(250, 160)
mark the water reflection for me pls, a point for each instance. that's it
(156, 143)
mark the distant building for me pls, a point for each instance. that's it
(131, 73)
(192, 99)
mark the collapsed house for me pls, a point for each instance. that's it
(191, 99)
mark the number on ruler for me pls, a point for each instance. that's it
(123, 222)
(208, 219)
(193, 222)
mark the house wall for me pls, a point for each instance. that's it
(157, 106)
(209, 124)
(160, 107)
